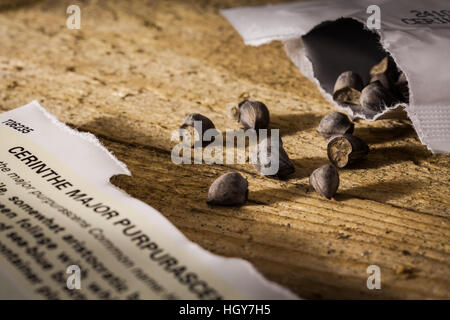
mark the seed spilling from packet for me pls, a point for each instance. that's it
(375, 98)
(387, 88)
(343, 149)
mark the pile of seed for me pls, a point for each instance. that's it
(231, 189)
(387, 88)
(343, 149)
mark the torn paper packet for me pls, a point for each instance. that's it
(326, 38)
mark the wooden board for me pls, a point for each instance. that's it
(135, 69)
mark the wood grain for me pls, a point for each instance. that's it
(136, 68)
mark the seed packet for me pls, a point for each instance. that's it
(327, 38)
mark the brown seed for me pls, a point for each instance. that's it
(251, 114)
(206, 124)
(335, 123)
(261, 159)
(325, 180)
(386, 66)
(346, 149)
(348, 79)
(230, 189)
(383, 80)
(347, 95)
(375, 98)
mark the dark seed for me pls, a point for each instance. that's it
(375, 98)
(262, 161)
(251, 114)
(346, 149)
(335, 123)
(230, 189)
(205, 122)
(383, 80)
(347, 96)
(387, 67)
(348, 79)
(325, 180)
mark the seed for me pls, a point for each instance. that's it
(347, 89)
(375, 98)
(346, 149)
(383, 80)
(261, 159)
(325, 180)
(347, 96)
(206, 124)
(386, 66)
(335, 123)
(230, 189)
(250, 114)
(348, 79)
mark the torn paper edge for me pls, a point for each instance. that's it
(88, 137)
(296, 51)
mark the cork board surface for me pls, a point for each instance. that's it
(136, 68)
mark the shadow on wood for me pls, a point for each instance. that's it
(290, 124)
(376, 135)
(385, 156)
